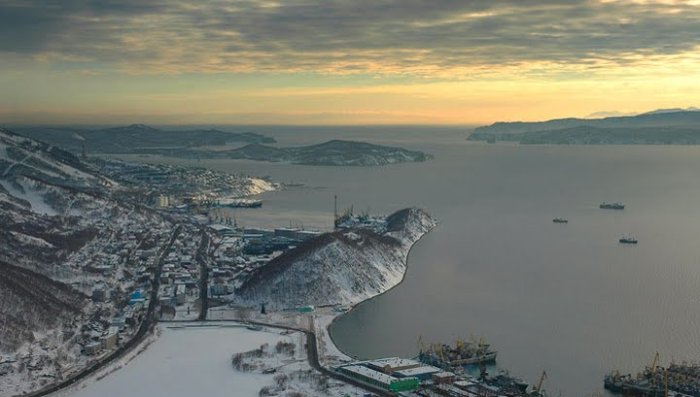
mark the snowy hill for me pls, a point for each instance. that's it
(77, 242)
(31, 303)
(60, 222)
(45, 195)
(38, 176)
(343, 267)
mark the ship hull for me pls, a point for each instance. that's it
(612, 207)
(486, 358)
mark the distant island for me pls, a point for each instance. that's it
(660, 127)
(198, 144)
(332, 153)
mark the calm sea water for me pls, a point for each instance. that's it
(567, 299)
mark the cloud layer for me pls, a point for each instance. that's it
(413, 37)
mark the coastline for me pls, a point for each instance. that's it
(318, 323)
(326, 329)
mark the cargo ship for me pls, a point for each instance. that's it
(612, 206)
(560, 220)
(629, 386)
(457, 355)
(627, 240)
(657, 381)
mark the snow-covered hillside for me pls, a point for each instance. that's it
(343, 267)
(61, 230)
(43, 178)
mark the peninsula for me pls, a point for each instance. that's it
(660, 127)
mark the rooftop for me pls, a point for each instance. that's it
(370, 373)
(444, 374)
(394, 362)
(426, 369)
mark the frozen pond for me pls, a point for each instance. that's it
(187, 362)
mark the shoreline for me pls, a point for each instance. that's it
(323, 337)
(366, 301)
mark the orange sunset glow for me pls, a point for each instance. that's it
(344, 62)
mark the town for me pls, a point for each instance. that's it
(155, 246)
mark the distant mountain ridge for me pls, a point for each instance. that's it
(664, 126)
(143, 139)
(131, 138)
(334, 152)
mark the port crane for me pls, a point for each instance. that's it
(537, 389)
(654, 363)
(650, 372)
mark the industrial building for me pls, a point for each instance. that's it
(395, 374)
(423, 373)
(392, 364)
(379, 379)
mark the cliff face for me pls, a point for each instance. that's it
(343, 267)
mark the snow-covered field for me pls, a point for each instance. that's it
(196, 361)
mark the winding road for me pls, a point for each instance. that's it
(147, 326)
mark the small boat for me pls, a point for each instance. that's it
(628, 240)
(612, 206)
(560, 220)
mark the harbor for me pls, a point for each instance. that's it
(462, 278)
(413, 378)
(657, 381)
(460, 354)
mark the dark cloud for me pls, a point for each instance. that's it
(373, 36)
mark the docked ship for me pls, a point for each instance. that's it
(628, 240)
(657, 381)
(240, 203)
(457, 355)
(560, 220)
(612, 206)
(629, 386)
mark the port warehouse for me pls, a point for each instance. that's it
(393, 374)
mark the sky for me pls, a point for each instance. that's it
(343, 62)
